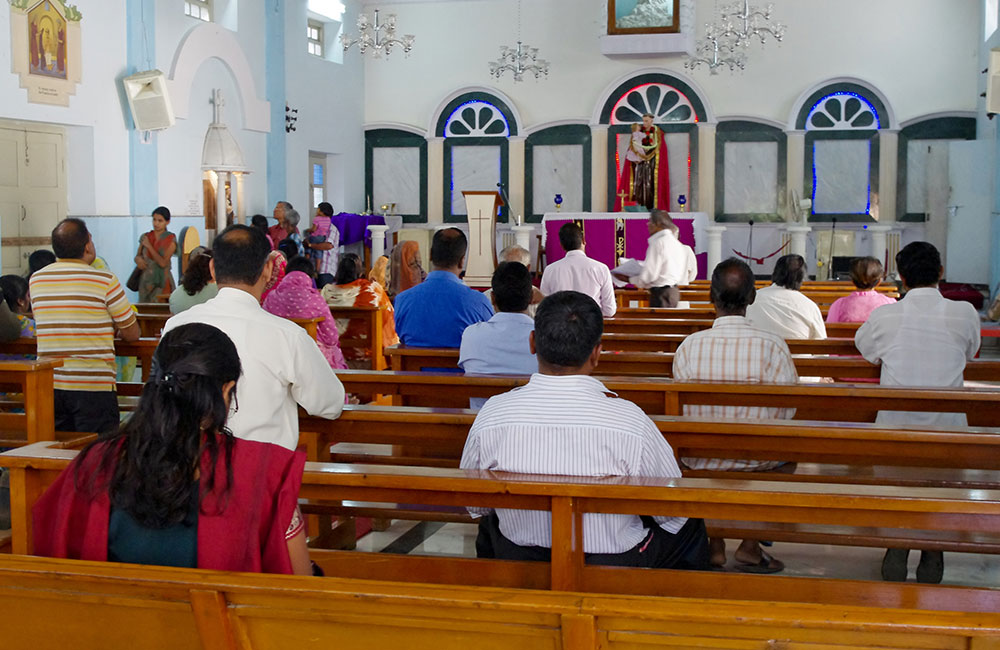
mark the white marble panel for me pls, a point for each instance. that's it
(679, 152)
(842, 174)
(396, 178)
(557, 169)
(751, 178)
(473, 168)
(917, 157)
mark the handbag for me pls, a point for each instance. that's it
(132, 284)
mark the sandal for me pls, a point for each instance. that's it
(767, 564)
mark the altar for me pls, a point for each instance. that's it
(611, 236)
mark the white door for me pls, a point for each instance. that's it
(970, 174)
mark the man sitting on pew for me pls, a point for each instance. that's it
(577, 272)
(515, 253)
(922, 340)
(784, 310)
(434, 313)
(732, 350)
(565, 422)
(282, 365)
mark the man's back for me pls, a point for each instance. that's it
(577, 272)
(434, 313)
(282, 366)
(787, 313)
(76, 309)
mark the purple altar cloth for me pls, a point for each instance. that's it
(354, 227)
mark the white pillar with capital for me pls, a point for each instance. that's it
(599, 168)
(515, 176)
(378, 240)
(435, 180)
(714, 246)
(798, 233)
(795, 161)
(706, 173)
(878, 234)
(888, 173)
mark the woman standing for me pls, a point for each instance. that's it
(156, 250)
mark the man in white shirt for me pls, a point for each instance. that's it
(665, 265)
(565, 422)
(784, 310)
(733, 351)
(577, 272)
(922, 340)
(282, 366)
(690, 259)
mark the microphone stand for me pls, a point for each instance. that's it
(833, 231)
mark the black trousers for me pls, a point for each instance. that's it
(664, 296)
(86, 411)
(685, 549)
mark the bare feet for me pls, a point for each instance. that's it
(751, 558)
(717, 551)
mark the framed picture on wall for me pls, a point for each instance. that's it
(643, 16)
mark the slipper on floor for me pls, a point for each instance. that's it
(767, 564)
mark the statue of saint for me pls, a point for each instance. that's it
(645, 177)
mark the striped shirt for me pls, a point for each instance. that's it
(77, 309)
(734, 351)
(571, 426)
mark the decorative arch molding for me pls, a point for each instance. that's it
(211, 41)
(503, 103)
(395, 126)
(613, 92)
(554, 123)
(805, 102)
(765, 121)
(961, 115)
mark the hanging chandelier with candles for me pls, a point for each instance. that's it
(520, 59)
(379, 37)
(724, 43)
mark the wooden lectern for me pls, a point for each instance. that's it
(481, 208)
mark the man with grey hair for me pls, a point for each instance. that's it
(515, 253)
(277, 232)
(665, 265)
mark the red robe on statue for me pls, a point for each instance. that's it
(645, 183)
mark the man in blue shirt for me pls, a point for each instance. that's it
(500, 345)
(434, 313)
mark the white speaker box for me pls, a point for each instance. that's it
(993, 83)
(148, 100)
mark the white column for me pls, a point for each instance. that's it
(798, 233)
(878, 233)
(888, 173)
(241, 208)
(599, 163)
(435, 180)
(795, 163)
(706, 173)
(522, 235)
(515, 176)
(378, 241)
(714, 246)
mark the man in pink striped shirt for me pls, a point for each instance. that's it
(734, 351)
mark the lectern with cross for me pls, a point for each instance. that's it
(482, 256)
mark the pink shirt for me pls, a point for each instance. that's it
(856, 307)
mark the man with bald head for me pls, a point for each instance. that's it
(732, 350)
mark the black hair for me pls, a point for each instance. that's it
(325, 209)
(302, 264)
(240, 253)
(324, 279)
(288, 248)
(866, 272)
(568, 326)
(732, 286)
(789, 271)
(348, 269)
(198, 273)
(570, 236)
(511, 284)
(259, 222)
(14, 289)
(154, 458)
(448, 248)
(70, 238)
(919, 264)
(163, 212)
(39, 260)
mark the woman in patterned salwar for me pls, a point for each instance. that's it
(156, 250)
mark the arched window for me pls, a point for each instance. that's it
(923, 152)
(751, 166)
(475, 127)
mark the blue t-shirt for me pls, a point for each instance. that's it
(434, 313)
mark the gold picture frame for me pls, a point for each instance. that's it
(625, 17)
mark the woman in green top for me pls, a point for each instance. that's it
(197, 285)
(156, 250)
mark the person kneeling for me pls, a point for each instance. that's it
(565, 422)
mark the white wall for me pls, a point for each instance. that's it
(921, 53)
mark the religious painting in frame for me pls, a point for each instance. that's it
(643, 16)
(45, 49)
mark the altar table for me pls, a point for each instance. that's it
(354, 227)
(610, 236)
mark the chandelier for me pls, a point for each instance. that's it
(724, 43)
(520, 59)
(378, 36)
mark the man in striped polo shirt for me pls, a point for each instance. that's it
(77, 310)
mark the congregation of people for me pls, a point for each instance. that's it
(211, 451)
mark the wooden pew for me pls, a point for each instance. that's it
(152, 308)
(143, 349)
(121, 607)
(310, 325)
(845, 402)
(697, 292)
(809, 285)
(660, 364)
(151, 324)
(670, 342)
(372, 341)
(693, 310)
(568, 498)
(654, 325)
(32, 379)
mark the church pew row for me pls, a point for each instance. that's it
(692, 310)
(843, 402)
(143, 349)
(670, 343)
(111, 606)
(810, 285)
(824, 296)
(568, 498)
(32, 382)
(654, 324)
(660, 364)
(826, 453)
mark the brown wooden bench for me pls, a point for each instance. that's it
(693, 310)
(670, 343)
(151, 325)
(33, 381)
(152, 308)
(699, 292)
(143, 349)
(121, 607)
(372, 341)
(656, 325)
(310, 325)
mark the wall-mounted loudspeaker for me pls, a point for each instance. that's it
(993, 83)
(148, 100)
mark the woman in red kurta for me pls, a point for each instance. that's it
(173, 487)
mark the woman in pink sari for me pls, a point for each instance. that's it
(296, 297)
